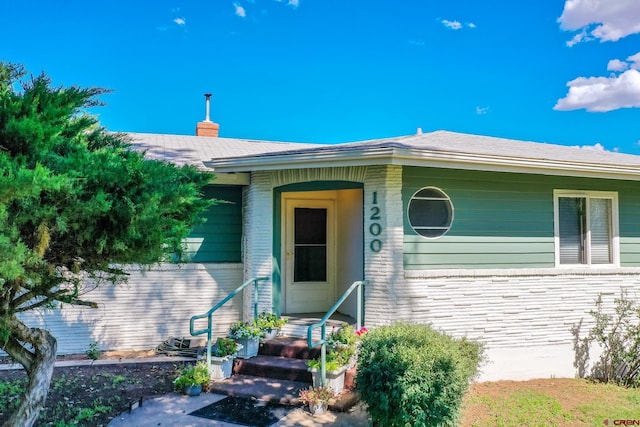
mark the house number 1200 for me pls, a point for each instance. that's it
(375, 228)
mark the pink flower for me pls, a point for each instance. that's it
(362, 331)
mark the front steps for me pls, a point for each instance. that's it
(278, 373)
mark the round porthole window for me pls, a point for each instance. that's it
(430, 212)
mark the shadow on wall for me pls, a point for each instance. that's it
(153, 306)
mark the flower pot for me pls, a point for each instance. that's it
(193, 390)
(318, 408)
(334, 379)
(249, 347)
(271, 333)
(221, 367)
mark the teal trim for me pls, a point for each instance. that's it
(506, 220)
(276, 274)
(219, 239)
(209, 314)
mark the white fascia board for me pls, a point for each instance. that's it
(436, 159)
(231, 178)
(302, 160)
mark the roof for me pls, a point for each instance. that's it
(434, 149)
(194, 150)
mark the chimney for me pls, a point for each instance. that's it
(207, 127)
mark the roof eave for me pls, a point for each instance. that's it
(437, 159)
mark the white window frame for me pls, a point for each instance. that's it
(615, 233)
(445, 197)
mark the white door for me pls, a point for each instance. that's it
(309, 255)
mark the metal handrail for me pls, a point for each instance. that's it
(209, 314)
(322, 324)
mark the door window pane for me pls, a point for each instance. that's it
(310, 245)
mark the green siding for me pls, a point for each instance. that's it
(219, 238)
(505, 220)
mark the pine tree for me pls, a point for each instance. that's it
(76, 203)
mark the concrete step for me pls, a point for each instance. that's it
(297, 325)
(277, 367)
(290, 347)
(268, 389)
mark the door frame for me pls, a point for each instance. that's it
(313, 199)
(309, 186)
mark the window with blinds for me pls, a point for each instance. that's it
(586, 233)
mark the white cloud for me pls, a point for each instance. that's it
(601, 94)
(634, 61)
(180, 21)
(481, 110)
(471, 25)
(595, 147)
(293, 3)
(606, 20)
(454, 25)
(578, 38)
(617, 65)
(240, 10)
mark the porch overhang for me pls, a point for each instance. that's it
(389, 155)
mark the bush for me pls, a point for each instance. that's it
(411, 375)
(618, 336)
(191, 375)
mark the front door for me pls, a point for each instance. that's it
(309, 254)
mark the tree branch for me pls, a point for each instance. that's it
(19, 353)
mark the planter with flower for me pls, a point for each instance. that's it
(222, 358)
(344, 341)
(248, 335)
(335, 370)
(192, 378)
(270, 324)
(317, 398)
(341, 355)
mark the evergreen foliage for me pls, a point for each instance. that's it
(75, 198)
(76, 203)
(411, 375)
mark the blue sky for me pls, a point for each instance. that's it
(564, 72)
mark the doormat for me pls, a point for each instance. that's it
(244, 411)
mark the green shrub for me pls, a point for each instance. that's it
(411, 375)
(617, 334)
(93, 352)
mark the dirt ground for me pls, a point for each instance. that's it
(93, 395)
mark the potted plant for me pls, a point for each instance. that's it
(222, 358)
(335, 370)
(341, 355)
(248, 335)
(317, 398)
(270, 324)
(192, 378)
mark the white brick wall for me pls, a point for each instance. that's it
(258, 234)
(153, 306)
(524, 317)
(384, 268)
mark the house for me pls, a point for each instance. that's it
(507, 242)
